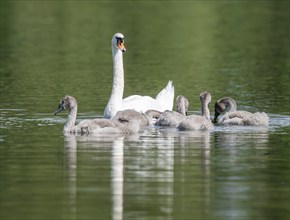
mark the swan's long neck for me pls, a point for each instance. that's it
(205, 110)
(71, 120)
(115, 100)
(118, 75)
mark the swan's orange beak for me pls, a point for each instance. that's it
(121, 46)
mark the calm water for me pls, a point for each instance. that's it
(50, 49)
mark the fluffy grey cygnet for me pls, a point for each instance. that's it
(228, 107)
(92, 126)
(197, 122)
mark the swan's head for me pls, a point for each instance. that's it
(118, 42)
(182, 104)
(223, 105)
(67, 102)
(205, 97)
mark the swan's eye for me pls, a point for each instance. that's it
(120, 39)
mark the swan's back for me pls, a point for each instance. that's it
(162, 102)
(140, 104)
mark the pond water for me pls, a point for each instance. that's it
(50, 49)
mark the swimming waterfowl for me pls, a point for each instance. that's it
(92, 126)
(197, 122)
(228, 107)
(173, 118)
(126, 116)
(162, 102)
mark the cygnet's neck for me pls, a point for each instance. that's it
(180, 108)
(71, 119)
(231, 105)
(205, 110)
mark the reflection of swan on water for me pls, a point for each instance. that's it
(70, 149)
(226, 137)
(192, 149)
(228, 107)
(93, 126)
(117, 178)
(162, 102)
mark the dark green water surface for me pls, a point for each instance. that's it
(229, 48)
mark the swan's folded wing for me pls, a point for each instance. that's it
(165, 97)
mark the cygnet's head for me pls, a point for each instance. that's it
(182, 104)
(67, 102)
(118, 42)
(205, 97)
(224, 105)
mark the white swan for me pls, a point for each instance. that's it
(173, 118)
(231, 116)
(162, 102)
(92, 126)
(197, 122)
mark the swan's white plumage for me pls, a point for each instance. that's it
(166, 96)
(162, 102)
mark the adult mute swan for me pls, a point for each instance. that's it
(228, 107)
(162, 102)
(197, 122)
(92, 126)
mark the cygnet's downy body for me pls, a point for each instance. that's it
(173, 118)
(92, 126)
(227, 107)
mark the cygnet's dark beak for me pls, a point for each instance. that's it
(59, 109)
(216, 115)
